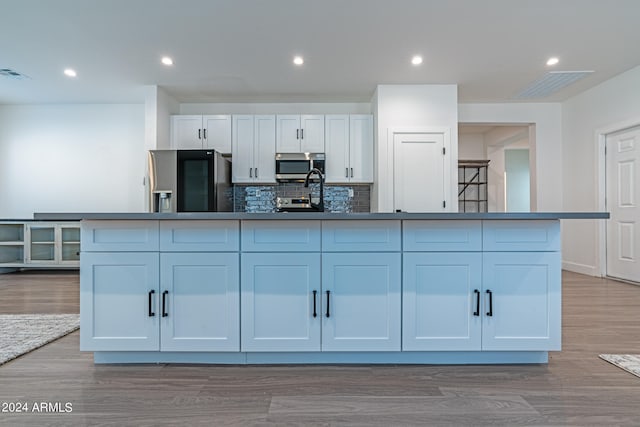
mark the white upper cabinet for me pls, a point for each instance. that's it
(349, 148)
(300, 134)
(194, 132)
(254, 149)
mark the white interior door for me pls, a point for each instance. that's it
(419, 172)
(623, 236)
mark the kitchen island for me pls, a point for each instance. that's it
(237, 288)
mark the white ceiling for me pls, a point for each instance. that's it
(241, 50)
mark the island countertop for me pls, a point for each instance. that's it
(66, 216)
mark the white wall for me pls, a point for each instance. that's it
(546, 153)
(411, 106)
(471, 146)
(611, 105)
(71, 158)
(276, 108)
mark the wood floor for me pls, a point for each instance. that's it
(575, 388)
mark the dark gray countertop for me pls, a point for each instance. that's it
(324, 216)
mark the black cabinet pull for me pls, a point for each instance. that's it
(477, 312)
(250, 172)
(328, 298)
(164, 304)
(199, 133)
(315, 313)
(490, 312)
(204, 132)
(301, 133)
(346, 172)
(256, 174)
(351, 172)
(151, 313)
(297, 133)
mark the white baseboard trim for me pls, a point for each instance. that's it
(575, 267)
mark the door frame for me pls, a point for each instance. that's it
(601, 188)
(446, 133)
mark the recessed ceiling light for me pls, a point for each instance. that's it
(298, 60)
(70, 72)
(166, 60)
(552, 61)
(416, 60)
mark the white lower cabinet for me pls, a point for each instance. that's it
(119, 301)
(492, 301)
(522, 301)
(441, 301)
(159, 302)
(281, 305)
(361, 293)
(200, 302)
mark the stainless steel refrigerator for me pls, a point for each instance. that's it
(189, 181)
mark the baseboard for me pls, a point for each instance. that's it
(575, 267)
(8, 270)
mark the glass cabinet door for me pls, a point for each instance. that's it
(70, 244)
(42, 243)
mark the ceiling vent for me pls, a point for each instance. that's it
(550, 83)
(12, 74)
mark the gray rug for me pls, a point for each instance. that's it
(628, 362)
(21, 333)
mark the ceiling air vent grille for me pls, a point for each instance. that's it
(12, 74)
(550, 83)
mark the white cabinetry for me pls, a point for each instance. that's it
(133, 297)
(300, 134)
(349, 148)
(195, 132)
(278, 295)
(461, 293)
(254, 149)
(39, 244)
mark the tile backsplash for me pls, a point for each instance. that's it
(337, 198)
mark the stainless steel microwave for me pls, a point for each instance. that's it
(293, 167)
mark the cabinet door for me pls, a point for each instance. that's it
(242, 149)
(277, 302)
(337, 148)
(265, 149)
(42, 243)
(186, 132)
(119, 301)
(69, 244)
(312, 134)
(288, 134)
(522, 309)
(361, 148)
(440, 301)
(217, 133)
(361, 296)
(200, 302)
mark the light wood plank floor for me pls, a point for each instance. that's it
(575, 388)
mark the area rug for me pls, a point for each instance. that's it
(628, 362)
(22, 333)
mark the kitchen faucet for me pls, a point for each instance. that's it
(319, 206)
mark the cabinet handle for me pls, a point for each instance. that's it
(256, 174)
(250, 172)
(151, 313)
(477, 312)
(164, 304)
(204, 132)
(351, 172)
(490, 312)
(328, 299)
(199, 133)
(315, 313)
(346, 172)
(301, 133)
(297, 133)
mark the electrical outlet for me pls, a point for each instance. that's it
(351, 192)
